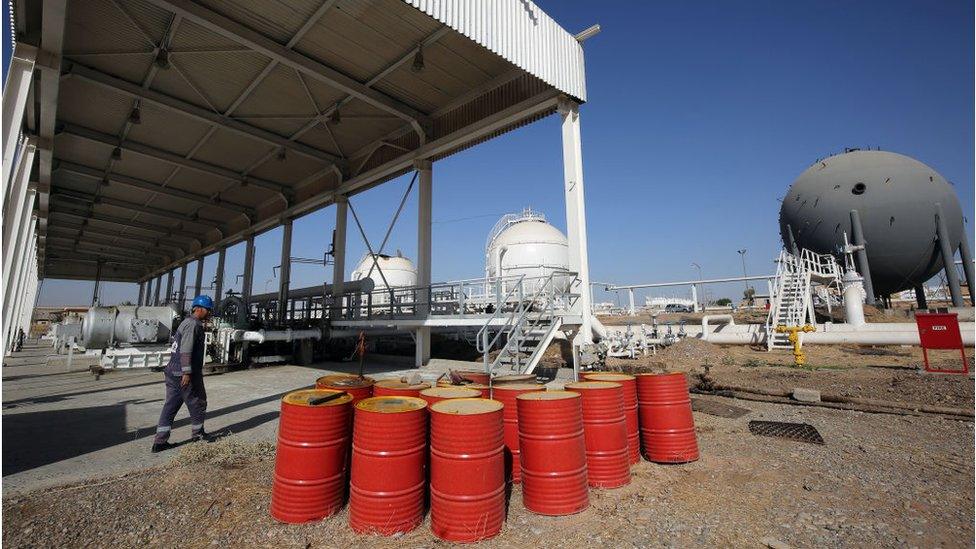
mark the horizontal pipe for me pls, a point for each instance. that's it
(262, 336)
(688, 282)
(708, 318)
(364, 285)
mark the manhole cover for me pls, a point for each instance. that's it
(801, 432)
(719, 409)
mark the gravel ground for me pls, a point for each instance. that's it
(878, 481)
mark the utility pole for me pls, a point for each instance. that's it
(701, 288)
(742, 253)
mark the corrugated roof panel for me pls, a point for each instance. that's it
(276, 19)
(150, 19)
(231, 150)
(319, 138)
(280, 92)
(99, 26)
(191, 36)
(162, 130)
(291, 170)
(129, 67)
(142, 167)
(325, 96)
(88, 105)
(280, 126)
(81, 151)
(220, 77)
(519, 31)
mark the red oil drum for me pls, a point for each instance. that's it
(605, 428)
(310, 463)
(395, 387)
(467, 469)
(358, 387)
(437, 394)
(474, 377)
(513, 378)
(629, 383)
(483, 389)
(553, 452)
(387, 485)
(506, 394)
(666, 424)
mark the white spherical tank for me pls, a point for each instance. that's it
(526, 244)
(398, 271)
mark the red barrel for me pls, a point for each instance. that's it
(481, 388)
(605, 428)
(474, 377)
(666, 424)
(389, 457)
(553, 452)
(467, 469)
(358, 387)
(310, 463)
(437, 394)
(513, 378)
(629, 383)
(506, 394)
(395, 387)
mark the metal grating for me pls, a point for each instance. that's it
(800, 432)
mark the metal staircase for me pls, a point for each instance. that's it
(792, 304)
(529, 327)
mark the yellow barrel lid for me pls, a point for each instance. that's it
(589, 385)
(548, 395)
(519, 387)
(451, 392)
(467, 406)
(513, 378)
(345, 380)
(608, 376)
(391, 404)
(397, 384)
(301, 397)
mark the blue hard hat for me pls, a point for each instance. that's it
(204, 301)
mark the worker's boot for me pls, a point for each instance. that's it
(160, 446)
(202, 436)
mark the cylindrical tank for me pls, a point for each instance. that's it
(395, 387)
(605, 429)
(310, 462)
(398, 272)
(553, 452)
(467, 469)
(895, 197)
(358, 387)
(629, 384)
(102, 327)
(666, 424)
(437, 394)
(389, 456)
(506, 394)
(526, 244)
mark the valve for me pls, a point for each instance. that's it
(799, 357)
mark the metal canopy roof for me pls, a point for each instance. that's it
(177, 127)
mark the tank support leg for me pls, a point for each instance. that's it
(576, 212)
(948, 257)
(966, 254)
(920, 297)
(862, 257)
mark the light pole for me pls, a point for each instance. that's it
(701, 289)
(742, 253)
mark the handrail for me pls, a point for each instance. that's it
(494, 314)
(517, 325)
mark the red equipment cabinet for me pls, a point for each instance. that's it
(940, 331)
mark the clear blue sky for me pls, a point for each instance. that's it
(699, 117)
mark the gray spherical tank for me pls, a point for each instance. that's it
(895, 197)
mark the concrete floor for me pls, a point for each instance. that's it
(62, 425)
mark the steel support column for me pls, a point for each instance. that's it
(149, 290)
(248, 272)
(219, 278)
(576, 212)
(857, 233)
(98, 280)
(23, 269)
(16, 89)
(630, 297)
(284, 272)
(424, 231)
(25, 242)
(181, 303)
(142, 293)
(17, 210)
(159, 284)
(16, 252)
(948, 257)
(170, 275)
(198, 280)
(339, 246)
(966, 255)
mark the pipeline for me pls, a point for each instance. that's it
(707, 318)
(261, 336)
(837, 334)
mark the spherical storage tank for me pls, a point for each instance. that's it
(526, 244)
(895, 197)
(398, 271)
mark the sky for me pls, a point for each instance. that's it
(699, 116)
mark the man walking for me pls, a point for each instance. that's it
(184, 375)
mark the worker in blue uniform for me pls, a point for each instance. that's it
(184, 375)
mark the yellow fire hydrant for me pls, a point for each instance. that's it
(799, 358)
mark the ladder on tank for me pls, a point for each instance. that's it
(791, 303)
(528, 328)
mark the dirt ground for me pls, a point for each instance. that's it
(878, 481)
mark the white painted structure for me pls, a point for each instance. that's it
(525, 244)
(387, 272)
